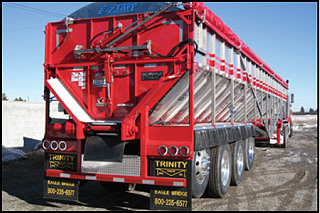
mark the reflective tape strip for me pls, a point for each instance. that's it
(130, 105)
(118, 180)
(64, 175)
(91, 177)
(151, 182)
(77, 68)
(150, 65)
(94, 68)
(119, 66)
(210, 62)
(178, 183)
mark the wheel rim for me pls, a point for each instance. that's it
(240, 161)
(225, 168)
(251, 150)
(288, 133)
(202, 166)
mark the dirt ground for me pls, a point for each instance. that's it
(281, 179)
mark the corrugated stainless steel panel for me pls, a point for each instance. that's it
(130, 166)
(176, 101)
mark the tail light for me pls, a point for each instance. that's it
(54, 145)
(62, 145)
(183, 150)
(162, 150)
(173, 150)
(46, 144)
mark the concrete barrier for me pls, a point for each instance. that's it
(23, 123)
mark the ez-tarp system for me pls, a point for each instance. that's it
(96, 10)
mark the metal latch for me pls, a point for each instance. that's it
(78, 51)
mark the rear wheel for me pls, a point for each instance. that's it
(249, 146)
(237, 150)
(286, 135)
(200, 172)
(291, 129)
(220, 173)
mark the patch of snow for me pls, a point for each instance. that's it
(9, 154)
(304, 118)
(295, 158)
(305, 122)
(304, 127)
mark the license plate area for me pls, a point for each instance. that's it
(170, 197)
(61, 189)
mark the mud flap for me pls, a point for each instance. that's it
(61, 189)
(169, 197)
(102, 148)
(212, 137)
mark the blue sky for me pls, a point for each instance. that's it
(283, 35)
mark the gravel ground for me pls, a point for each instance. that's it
(281, 179)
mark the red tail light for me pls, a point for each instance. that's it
(162, 150)
(183, 150)
(173, 150)
(46, 144)
(54, 145)
(62, 145)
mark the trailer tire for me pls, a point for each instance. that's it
(286, 135)
(291, 130)
(220, 173)
(200, 172)
(249, 146)
(237, 150)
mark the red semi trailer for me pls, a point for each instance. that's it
(159, 94)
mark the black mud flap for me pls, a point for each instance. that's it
(212, 137)
(170, 197)
(102, 148)
(65, 162)
(61, 189)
